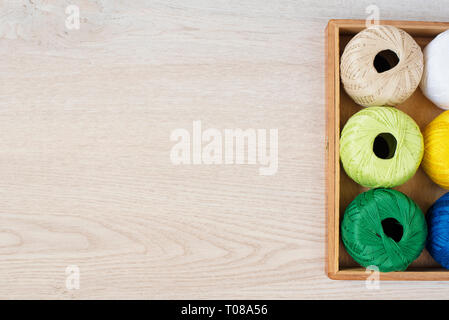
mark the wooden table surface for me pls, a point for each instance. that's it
(86, 177)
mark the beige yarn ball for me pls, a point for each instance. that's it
(381, 65)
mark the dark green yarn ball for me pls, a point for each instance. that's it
(384, 228)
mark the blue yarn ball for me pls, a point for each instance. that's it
(438, 233)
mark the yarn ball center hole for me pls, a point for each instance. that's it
(384, 146)
(385, 60)
(393, 229)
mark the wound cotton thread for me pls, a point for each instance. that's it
(381, 147)
(381, 65)
(384, 228)
(436, 152)
(438, 237)
(435, 80)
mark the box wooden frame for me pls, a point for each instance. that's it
(338, 186)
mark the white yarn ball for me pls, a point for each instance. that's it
(435, 80)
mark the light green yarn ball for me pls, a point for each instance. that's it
(381, 147)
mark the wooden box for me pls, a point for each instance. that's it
(341, 190)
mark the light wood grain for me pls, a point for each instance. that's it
(86, 178)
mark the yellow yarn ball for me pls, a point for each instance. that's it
(436, 150)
